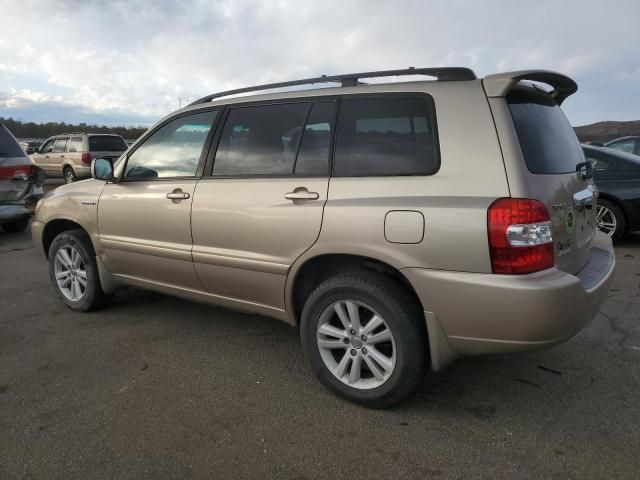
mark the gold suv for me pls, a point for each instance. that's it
(399, 225)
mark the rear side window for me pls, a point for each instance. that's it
(107, 143)
(313, 155)
(627, 145)
(386, 135)
(548, 142)
(60, 145)
(75, 144)
(261, 140)
(8, 146)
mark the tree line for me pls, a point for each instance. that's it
(44, 130)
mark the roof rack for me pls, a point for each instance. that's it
(353, 79)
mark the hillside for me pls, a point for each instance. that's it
(605, 131)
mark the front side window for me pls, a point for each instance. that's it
(60, 145)
(387, 136)
(172, 151)
(260, 140)
(47, 147)
(627, 145)
(75, 144)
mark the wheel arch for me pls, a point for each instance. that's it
(309, 272)
(55, 227)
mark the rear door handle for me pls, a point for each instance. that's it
(302, 194)
(177, 195)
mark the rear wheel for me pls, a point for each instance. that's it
(610, 219)
(364, 336)
(16, 226)
(69, 175)
(74, 272)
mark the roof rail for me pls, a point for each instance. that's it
(352, 79)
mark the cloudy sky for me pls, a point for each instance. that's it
(131, 62)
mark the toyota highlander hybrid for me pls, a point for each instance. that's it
(398, 225)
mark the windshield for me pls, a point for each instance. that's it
(106, 143)
(549, 143)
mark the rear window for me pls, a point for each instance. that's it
(386, 135)
(8, 146)
(105, 143)
(548, 142)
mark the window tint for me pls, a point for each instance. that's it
(624, 145)
(260, 140)
(386, 136)
(60, 145)
(173, 150)
(599, 164)
(75, 144)
(8, 145)
(106, 143)
(313, 156)
(548, 142)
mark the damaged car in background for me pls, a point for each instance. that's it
(20, 184)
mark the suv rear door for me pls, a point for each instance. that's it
(542, 157)
(261, 206)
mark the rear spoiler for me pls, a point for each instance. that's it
(500, 84)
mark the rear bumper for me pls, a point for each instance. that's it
(475, 313)
(9, 213)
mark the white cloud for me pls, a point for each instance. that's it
(140, 57)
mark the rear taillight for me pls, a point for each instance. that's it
(21, 172)
(86, 159)
(520, 238)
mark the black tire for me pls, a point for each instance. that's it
(93, 297)
(404, 317)
(16, 226)
(69, 174)
(621, 221)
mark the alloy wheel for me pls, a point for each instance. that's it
(356, 344)
(70, 273)
(606, 220)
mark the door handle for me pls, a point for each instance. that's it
(177, 195)
(61, 156)
(301, 194)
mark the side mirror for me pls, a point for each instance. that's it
(102, 169)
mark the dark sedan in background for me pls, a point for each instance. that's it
(617, 176)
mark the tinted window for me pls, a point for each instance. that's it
(173, 150)
(48, 146)
(313, 156)
(75, 144)
(8, 145)
(624, 145)
(386, 136)
(599, 164)
(105, 143)
(548, 142)
(260, 140)
(60, 145)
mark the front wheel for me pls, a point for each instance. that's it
(74, 272)
(365, 338)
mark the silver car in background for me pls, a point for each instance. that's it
(20, 184)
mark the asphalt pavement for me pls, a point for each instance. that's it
(157, 387)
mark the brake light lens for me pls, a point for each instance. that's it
(520, 239)
(86, 159)
(21, 172)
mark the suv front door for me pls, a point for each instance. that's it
(261, 207)
(144, 217)
(43, 157)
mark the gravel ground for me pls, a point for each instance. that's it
(156, 387)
